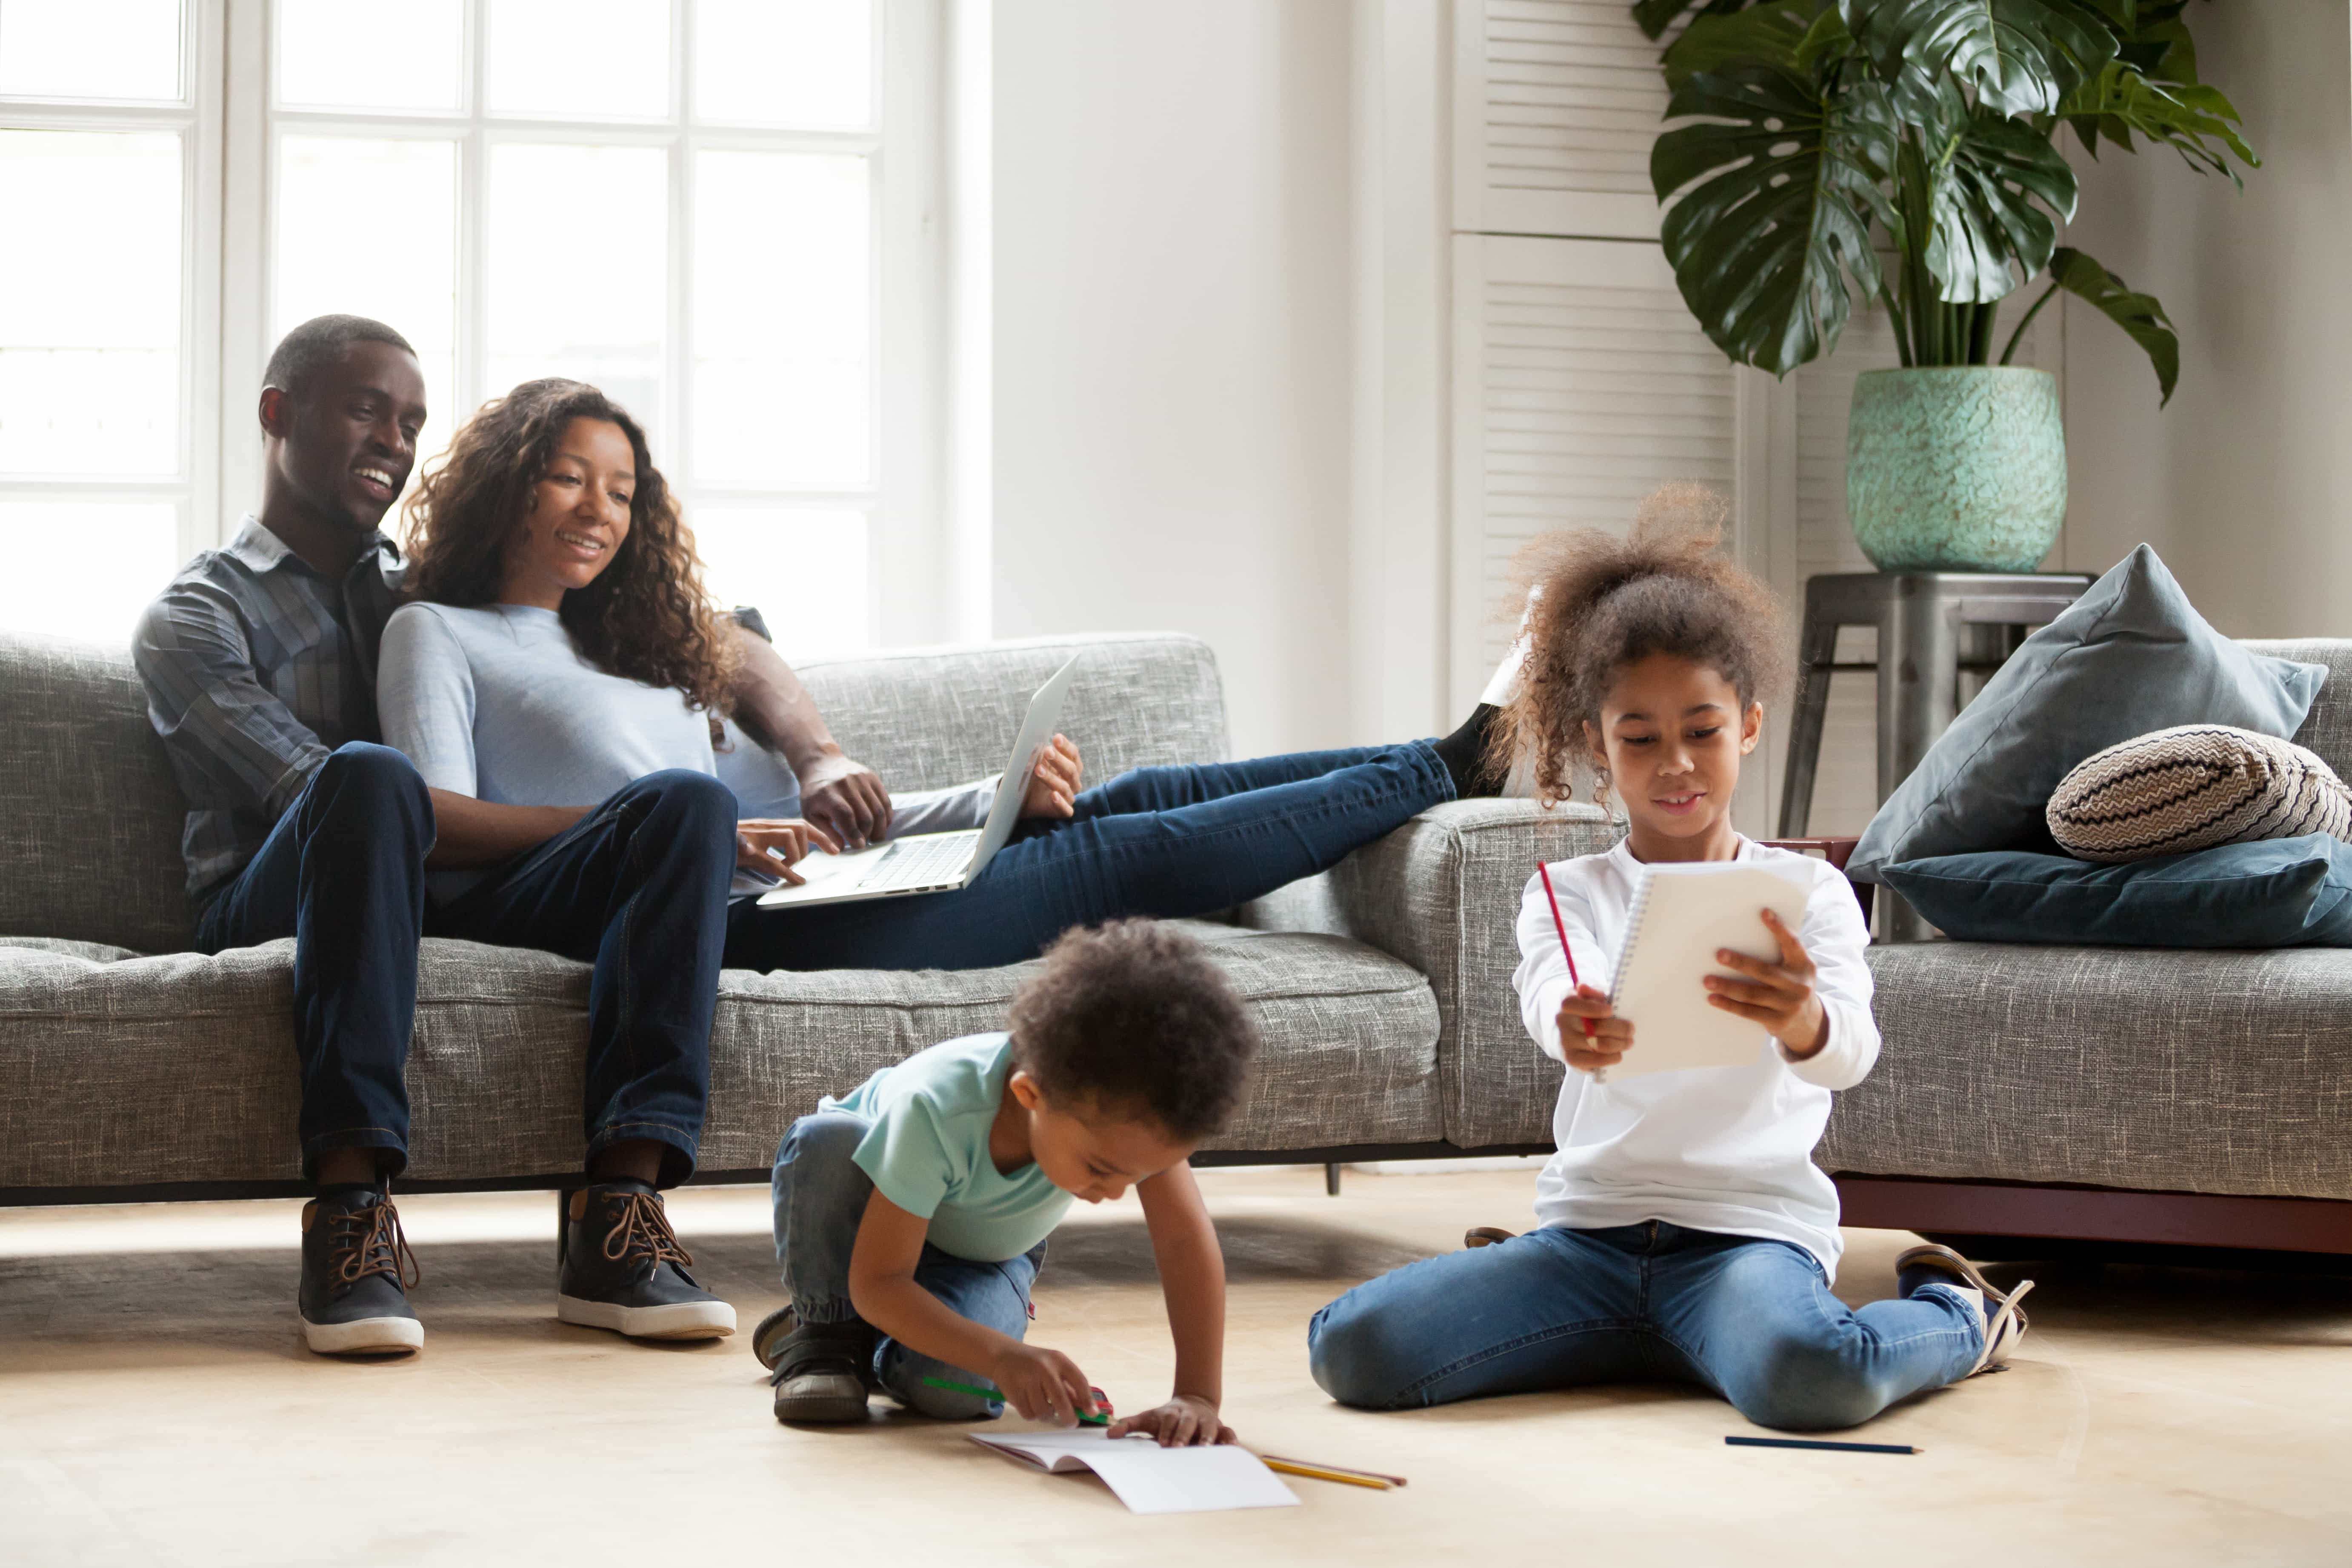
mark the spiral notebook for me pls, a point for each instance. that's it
(1682, 914)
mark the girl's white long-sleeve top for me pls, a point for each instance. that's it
(1720, 1149)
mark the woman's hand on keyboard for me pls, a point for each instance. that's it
(768, 845)
(1054, 782)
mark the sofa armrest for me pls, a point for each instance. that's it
(1442, 893)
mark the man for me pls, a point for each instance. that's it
(259, 664)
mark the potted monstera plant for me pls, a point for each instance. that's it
(1903, 154)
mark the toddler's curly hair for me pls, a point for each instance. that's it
(1597, 602)
(1131, 1018)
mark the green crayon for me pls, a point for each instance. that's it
(997, 1394)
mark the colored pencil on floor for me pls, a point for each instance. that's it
(998, 1395)
(1814, 1443)
(1316, 1469)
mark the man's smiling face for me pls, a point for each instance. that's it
(349, 441)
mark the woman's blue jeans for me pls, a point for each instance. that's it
(1752, 1319)
(1166, 842)
(821, 1196)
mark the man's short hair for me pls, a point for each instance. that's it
(1132, 1019)
(320, 341)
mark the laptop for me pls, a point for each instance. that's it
(934, 862)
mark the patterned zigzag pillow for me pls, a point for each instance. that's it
(2192, 787)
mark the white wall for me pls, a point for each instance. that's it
(2244, 483)
(1171, 333)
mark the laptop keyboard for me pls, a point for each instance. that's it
(920, 863)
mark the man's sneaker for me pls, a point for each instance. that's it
(1998, 1317)
(623, 1270)
(820, 1371)
(356, 1266)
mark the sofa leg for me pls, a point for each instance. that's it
(562, 1223)
(1331, 1180)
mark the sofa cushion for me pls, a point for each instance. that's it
(2277, 892)
(2205, 1072)
(2131, 656)
(92, 851)
(933, 717)
(2327, 728)
(2193, 786)
(181, 1069)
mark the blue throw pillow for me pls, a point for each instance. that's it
(2130, 657)
(2279, 892)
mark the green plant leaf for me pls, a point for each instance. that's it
(1993, 201)
(1772, 193)
(2138, 314)
(2020, 55)
(2197, 122)
(1655, 18)
(1770, 33)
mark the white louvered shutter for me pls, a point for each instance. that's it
(1581, 384)
(1557, 104)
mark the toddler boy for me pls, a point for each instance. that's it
(912, 1214)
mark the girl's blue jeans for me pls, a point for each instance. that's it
(1752, 1319)
(821, 1196)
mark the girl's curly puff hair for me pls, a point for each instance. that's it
(1597, 602)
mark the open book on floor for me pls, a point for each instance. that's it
(1147, 1478)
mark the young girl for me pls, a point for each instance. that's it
(1685, 1233)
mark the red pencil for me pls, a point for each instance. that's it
(1561, 926)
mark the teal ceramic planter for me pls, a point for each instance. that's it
(1958, 469)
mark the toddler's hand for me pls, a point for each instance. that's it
(1609, 1039)
(1777, 995)
(1043, 1385)
(1183, 1422)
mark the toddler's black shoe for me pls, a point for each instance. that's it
(621, 1269)
(355, 1268)
(819, 1369)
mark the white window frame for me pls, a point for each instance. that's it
(905, 531)
(194, 489)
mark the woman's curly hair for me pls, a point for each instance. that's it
(1597, 602)
(646, 617)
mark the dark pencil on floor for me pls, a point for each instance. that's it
(1815, 1443)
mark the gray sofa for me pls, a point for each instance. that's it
(2160, 1096)
(130, 1068)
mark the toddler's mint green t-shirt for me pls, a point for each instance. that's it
(928, 1150)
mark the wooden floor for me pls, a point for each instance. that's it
(156, 1409)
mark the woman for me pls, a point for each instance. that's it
(563, 649)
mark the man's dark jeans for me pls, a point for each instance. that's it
(637, 886)
(343, 874)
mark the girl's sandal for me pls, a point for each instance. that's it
(1484, 1235)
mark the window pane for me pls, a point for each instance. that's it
(785, 62)
(90, 316)
(553, 312)
(368, 227)
(333, 54)
(90, 49)
(782, 320)
(600, 59)
(806, 570)
(84, 569)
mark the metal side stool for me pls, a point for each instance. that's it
(1933, 627)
